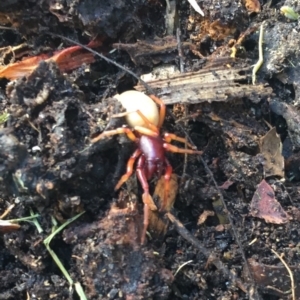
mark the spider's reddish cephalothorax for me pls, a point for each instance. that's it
(151, 147)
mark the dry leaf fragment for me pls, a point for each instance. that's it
(252, 6)
(265, 206)
(202, 218)
(156, 223)
(271, 149)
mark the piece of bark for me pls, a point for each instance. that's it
(271, 149)
(213, 84)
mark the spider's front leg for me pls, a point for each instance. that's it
(162, 112)
(119, 130)
(168, 137)
(172, 148)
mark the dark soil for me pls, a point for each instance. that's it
(48, 165)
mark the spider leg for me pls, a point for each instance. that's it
(167, 177)
(162, 111)
(172, 148)
(129, 170)
(168, 137)
(150, 125)
(147, 199)
(119, 130)
(146, 131)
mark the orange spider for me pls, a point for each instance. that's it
(146, 121)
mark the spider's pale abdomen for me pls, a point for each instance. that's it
(133, 101)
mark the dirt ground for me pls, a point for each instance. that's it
(231, 227)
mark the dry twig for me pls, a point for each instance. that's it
(149, 89)
(187, 235)
(181, 266)
(289, 271)
(211, 257)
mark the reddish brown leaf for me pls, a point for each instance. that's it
(21, 68)
(67, 59)
(265, 206)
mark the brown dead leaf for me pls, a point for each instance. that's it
(160, 188)
(252, 6)
(21, 68)
(156, 223)
(271, 149)
(265, 206)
